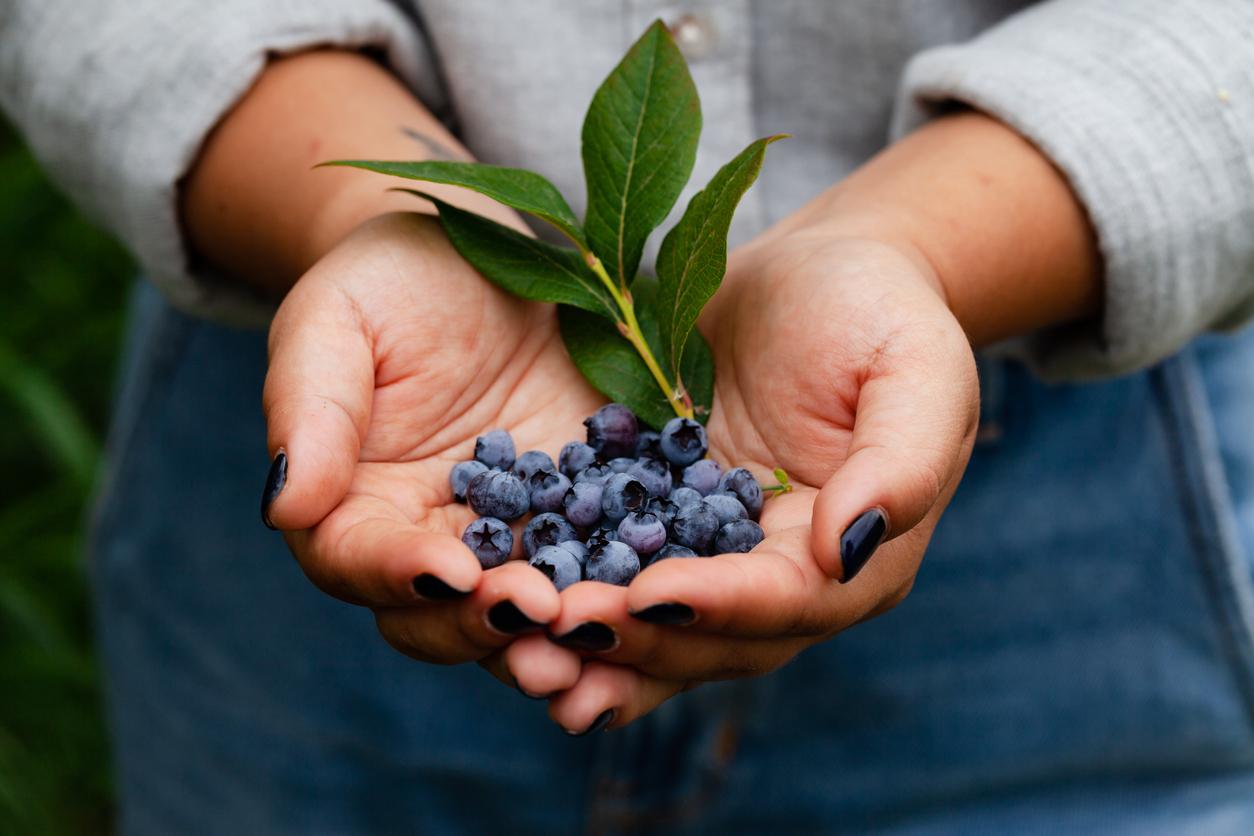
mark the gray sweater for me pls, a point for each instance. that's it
(1147, 106)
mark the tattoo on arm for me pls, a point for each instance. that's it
(438, 150)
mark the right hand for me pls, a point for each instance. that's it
(387, 359)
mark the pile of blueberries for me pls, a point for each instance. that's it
(620, 501)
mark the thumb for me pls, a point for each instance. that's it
(913, 428)
(317, 401)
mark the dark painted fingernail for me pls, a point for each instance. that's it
(603, 719)
(505, 617)
(670, 614)
(434, 589)
(860, 540)
(275, 480)
(592, 636)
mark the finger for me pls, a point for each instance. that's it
(511, 601)
(366, 553)
(914, 421)
(608, 696)
(316, 401)
(774, 590)
(430, 634)
(540, 668)
(595, 623)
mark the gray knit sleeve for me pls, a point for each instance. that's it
(1148, 109)
(117, 96)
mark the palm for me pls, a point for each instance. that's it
(443, 377)
(453, 358)
(794, 342)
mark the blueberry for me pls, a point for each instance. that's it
(738, 536)
(613, 562)
(647, 445)
(596, 473)
(574, 457)
(684, 495)
(683, 441)
(530, 462)
(496, 493)
(663, 509)
(726, 507)
(612, 431)
(741, 483)
(643, 531)
(694, 526)
(548, 488)
(582, 503)
(653, 474)
(495, 449)
(621, 464)
(545, 530)
(490, 539)
(702, 476)
(558, 565)
(578, 549)
(622, 495)
(461, 474)
(672, 550)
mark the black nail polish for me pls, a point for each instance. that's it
(670, 614)
(603, 719)
(591, 636)
(505, 617)
(275, 480)
(434, 589)
(860, 540)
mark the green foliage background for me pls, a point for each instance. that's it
(62, 289)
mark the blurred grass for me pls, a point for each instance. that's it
(63, 284)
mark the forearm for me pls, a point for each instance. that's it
(254, 206)
(993, 218)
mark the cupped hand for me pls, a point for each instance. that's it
(837, 360)
(387, 359)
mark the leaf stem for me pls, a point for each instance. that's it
(679, 401)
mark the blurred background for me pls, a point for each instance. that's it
(64, 289)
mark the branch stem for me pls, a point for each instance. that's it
(679, 401)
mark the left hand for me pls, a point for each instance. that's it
(839, 361)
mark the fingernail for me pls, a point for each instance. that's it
(275, 480)
(591, 636)
(670, 614)
(505, 617)
(432, 588)
(860, 540)
(603, 719)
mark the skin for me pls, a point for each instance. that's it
(842, 339)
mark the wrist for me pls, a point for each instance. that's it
(993, 221)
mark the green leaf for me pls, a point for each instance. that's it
(522, 265)
(611, 364)
(517, 188)
(639, 144)
(693, 256)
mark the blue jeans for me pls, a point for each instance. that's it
(1077, 655)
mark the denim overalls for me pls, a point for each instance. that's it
(1077, 655)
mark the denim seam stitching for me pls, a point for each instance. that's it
(1218, 554)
